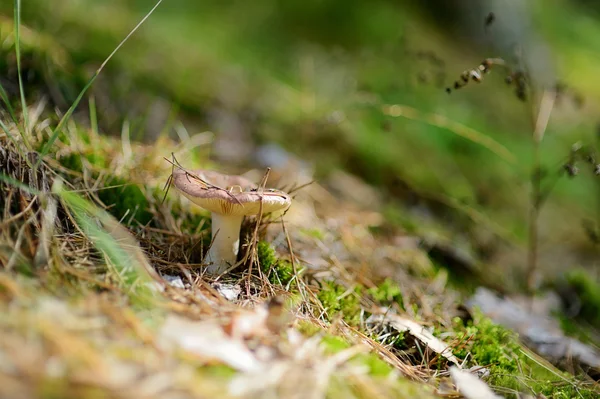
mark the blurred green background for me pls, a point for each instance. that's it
(315, 77)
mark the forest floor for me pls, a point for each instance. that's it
(102, 293)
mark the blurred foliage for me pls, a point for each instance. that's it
(320, 73)
(587, 290)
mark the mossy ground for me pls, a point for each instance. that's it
(512, 367)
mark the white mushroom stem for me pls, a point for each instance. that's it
(225, 242)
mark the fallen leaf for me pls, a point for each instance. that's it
(470, 386)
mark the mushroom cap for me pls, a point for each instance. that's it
(228, 194)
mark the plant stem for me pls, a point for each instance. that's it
(539, 129)
(597, 226)
(534, 210)
(24, 110)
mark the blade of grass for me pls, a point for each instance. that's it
(16, 183)
(117, 245)
(9, 107)
(93, 115)
(459, 129)
(25, 134)
(70, 111)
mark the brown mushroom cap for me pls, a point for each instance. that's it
(228, 195)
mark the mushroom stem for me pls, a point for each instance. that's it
(225, 242)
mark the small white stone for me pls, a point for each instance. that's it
(231, 292)
(174, 281)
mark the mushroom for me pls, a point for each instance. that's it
(228, 198)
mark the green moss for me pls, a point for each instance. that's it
(510, 365)
(377, 368)
(283, 273)
(266, 256)
(279, 272)
(125, 200)
(72, 162)
(97, 159)
(333, 344)
(387, 293)
(337, 300)
(488, 344)
(307, 328)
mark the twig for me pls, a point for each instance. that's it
(8, 221)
